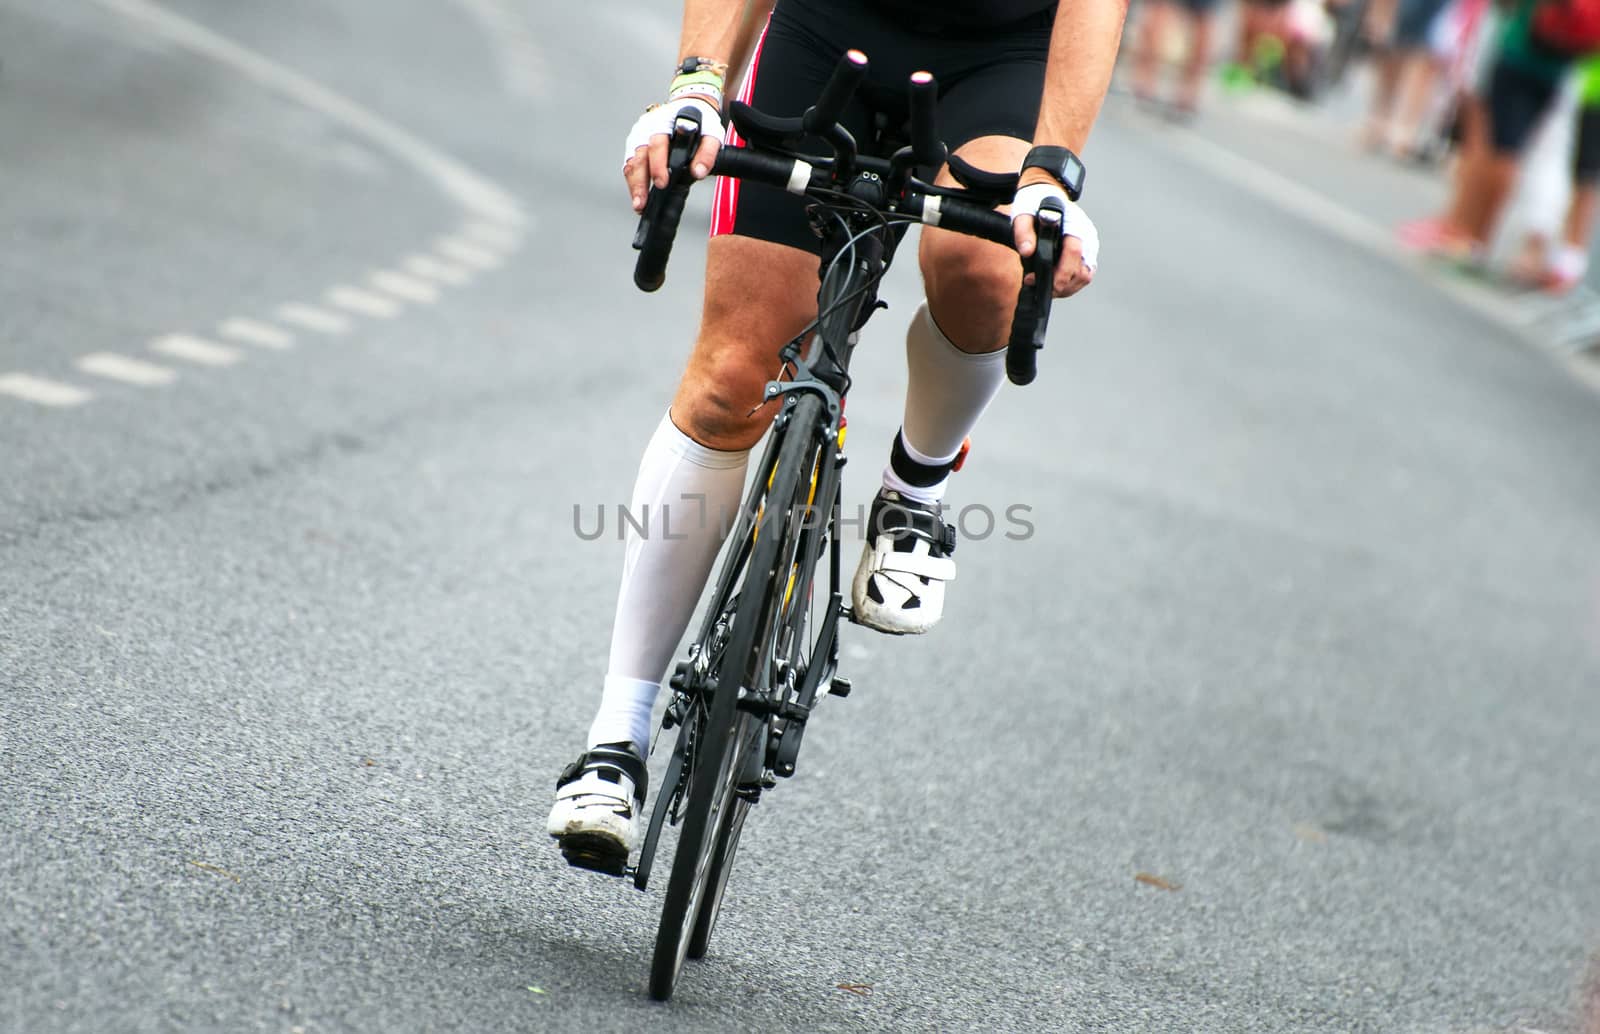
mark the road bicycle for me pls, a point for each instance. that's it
(767, 650)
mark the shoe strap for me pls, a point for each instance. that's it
(902, 518)
(614, 756)
(922, 565)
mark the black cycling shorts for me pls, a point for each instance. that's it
(990, 82)
(1517, 101)
(1586, 152)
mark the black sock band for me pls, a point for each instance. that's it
(919, 475)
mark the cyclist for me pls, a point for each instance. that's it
(1012, 74)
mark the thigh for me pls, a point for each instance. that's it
(758, 295)
(988, 115)
(996, 97)
(971, 283)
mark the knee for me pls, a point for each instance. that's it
(718, 403)
(972, 289)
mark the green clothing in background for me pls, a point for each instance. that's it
(1518, 50)
(1589, 81)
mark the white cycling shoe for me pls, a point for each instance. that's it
(899, 584)
(599, 799)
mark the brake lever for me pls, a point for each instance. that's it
(1033, 302)
(684, 143)
(1046, 254)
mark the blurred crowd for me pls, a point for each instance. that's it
(1482, 89)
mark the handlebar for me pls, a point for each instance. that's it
(1032, 317)
(942, 207)
(658, 225)
(842, 85)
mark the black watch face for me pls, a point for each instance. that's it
(1072, 173)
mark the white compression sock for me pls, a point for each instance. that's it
(686, 498)
(947, 390)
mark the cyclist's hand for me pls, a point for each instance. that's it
(1080, 246)
(644, 161)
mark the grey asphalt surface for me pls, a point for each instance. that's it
(291, 650)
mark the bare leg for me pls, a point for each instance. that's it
(1484, 195)
(1419, 70)
(1194, 69)
(1383, 97)
(1379, 27)
(1473, 154)
(1581, 214)
(1154, 24)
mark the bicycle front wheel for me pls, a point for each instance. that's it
(725, 735)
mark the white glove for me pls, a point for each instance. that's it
(1074, 223)
(658, 121)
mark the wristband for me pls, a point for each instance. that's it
(700, 84)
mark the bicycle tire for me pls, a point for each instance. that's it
(732, 824)
(727, 845)
(717, 768)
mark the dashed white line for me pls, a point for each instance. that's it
(41, 390)
(311, 318)
(435, 269)
(495, 235)
(470, 254)
(364, 303)
(254, 332)
(195, 350)
(126, 369)
(492, 232)
(406, 288)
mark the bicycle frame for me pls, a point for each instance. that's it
(847, 297)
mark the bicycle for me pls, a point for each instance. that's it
(767, 649)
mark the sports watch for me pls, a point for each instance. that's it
(1061, 163)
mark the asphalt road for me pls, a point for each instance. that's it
(296, 631)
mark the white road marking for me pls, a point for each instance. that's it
(195, 350)
(434, 269)
(311, 318)
(495, 235)
(254, 332)
(42, 391)
(470, 254)
(364, 303)
(406, 288)
(126, 369)
(466, 187)
(1319, 210)
(495, 214)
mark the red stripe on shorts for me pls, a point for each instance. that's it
(725, 203)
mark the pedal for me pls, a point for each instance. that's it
(595, 856)
(840, 686)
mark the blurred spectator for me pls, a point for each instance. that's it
(1463, 41)
(1279, 45)
(1156, 23)
(1560, 268)
(1407, 68)
(1261, 33)
(1523, 82)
